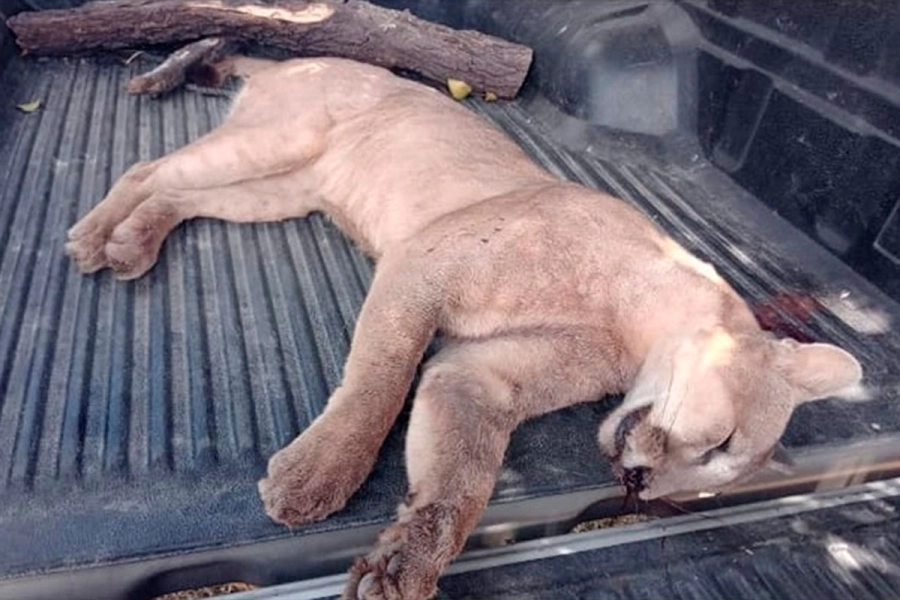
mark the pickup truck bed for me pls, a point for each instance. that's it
(135, 418)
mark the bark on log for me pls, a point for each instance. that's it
(352, 29)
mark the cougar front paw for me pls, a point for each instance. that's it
(394, 570)
(310, 479)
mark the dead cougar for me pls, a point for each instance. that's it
(551, 294)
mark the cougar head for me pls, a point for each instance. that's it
(707, 408)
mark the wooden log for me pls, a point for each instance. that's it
(352, 29)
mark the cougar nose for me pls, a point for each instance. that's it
(634, 479)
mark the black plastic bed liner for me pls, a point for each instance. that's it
(135, 418)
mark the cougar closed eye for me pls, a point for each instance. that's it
(721, 448)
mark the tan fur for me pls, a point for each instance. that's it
(551, 294)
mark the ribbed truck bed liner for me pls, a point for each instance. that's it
(136, 417)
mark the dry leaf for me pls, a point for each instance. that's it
(490, 97)
(131, 58)
(458, 89)
(29, 107)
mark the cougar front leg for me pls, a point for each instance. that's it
(318, 472)
(458, 433)
(472, 396)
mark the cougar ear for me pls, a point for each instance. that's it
(818, 371)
